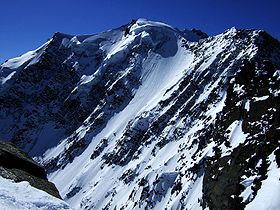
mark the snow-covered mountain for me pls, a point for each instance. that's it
(146, 116)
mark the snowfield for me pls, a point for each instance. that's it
(15, 196)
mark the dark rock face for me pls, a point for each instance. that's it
(34, 88)
(260, 122)
(18, 166)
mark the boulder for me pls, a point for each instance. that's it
(18, 166)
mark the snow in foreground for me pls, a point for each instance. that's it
(14, 196)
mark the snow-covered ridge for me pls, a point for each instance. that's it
(148, 117)
(26, 59)
(31, 55)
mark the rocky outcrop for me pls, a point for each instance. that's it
(18, 166)
(258, 113)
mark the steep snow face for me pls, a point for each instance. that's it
(266, 198)
(14, 196)
(147, 117)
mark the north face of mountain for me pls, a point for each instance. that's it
(146, 116)
(55, 83)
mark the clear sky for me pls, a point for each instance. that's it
(27, 24)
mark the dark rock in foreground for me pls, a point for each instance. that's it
(18, 166)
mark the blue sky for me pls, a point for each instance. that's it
(27, 24)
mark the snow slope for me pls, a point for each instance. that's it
(267, 198)
(14, 196)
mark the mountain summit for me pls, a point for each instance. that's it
(146, 116)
